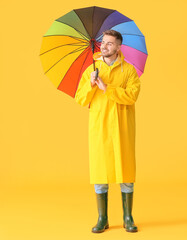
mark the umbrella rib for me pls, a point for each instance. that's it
(83, 64)
(82, 24)
(87, 49)
(134, 48)
(135, 66)
(123, 35)
(97, 44)
(133, 35)
(76, 38)
(79, 49)
(75, 30)
(73, 44)
(105, 20)
(92, 19)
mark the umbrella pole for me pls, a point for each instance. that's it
(93, 47)
(94, 64)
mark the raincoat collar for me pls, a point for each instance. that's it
(98, 56)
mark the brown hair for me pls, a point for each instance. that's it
(115, 34)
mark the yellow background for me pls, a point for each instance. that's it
(44, 172)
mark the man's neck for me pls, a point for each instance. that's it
(109, 60)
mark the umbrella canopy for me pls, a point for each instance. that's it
(68, 46)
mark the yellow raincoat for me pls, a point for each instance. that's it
(111, 120)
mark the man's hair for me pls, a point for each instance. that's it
(115, 34)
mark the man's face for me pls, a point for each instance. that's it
(109, 46)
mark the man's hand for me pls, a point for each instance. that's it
(101, 84)
(98, 81)
(93, 82)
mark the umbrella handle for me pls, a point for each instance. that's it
(97, 73)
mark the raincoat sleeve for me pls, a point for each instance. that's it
(127, 95)
(85, 91)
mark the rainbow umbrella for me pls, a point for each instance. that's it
(68, 46)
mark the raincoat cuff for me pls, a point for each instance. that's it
(88, 86)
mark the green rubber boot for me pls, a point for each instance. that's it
(102, 222)
(128, 222)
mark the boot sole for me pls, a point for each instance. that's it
(131, 230)
(135, 230)
(100, 231)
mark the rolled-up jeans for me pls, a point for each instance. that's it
(103, 188)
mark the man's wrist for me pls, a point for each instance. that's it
(105, 88)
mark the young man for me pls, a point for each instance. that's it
(112, 98)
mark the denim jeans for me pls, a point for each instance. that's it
(103, 188)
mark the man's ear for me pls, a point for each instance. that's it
(119, 48)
